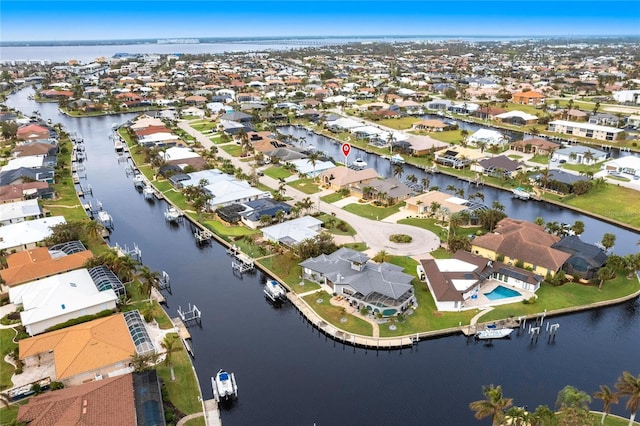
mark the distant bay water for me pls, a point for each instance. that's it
(88, 51)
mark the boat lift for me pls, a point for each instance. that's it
(192, 315)
(135, 252)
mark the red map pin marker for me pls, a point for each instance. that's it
(346, 149)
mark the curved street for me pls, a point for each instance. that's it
(374, 233)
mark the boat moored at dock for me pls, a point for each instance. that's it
(274, 291)
(224, 386)
(494, 333)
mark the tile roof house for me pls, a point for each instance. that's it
(519, 241)
(388, 190)
(100, 403)
(381, 288)
(32, 132)
(25, 191)
(453, 282)
(344, 177)
(500, 166)
(537, 146)
(82, 352)
(39, 262)
(528, 98)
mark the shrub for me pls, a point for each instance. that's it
(400, 238)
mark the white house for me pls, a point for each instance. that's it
(304, 166)
(59, 298)
(586, 130)
(293, 231)
(178, 153)
(25, 235)
(627, 96)
(19, 211)
(225, 189)
(628, 165)
(579, 155)
(487, 136)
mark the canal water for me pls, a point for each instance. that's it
(290, 374)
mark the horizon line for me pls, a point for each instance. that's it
(271, 37)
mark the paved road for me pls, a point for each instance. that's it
(374, 233)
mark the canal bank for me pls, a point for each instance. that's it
(289, 372)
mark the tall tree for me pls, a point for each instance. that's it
(629, 386)
(608, 397)
(493, 406)
(608, 241)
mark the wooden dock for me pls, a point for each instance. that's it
(181, 329)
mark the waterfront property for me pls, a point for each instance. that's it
(380, 288)
(343, 177)
(19, 211)
(521, 243)
(59, 298)
(26, 235)
(629, 165)
(88, 351)
(224, 188)
(579, 155)
(586, 259)
(441, 205)
(500, 166)
(537, 146)
(467, 281)
(587, 130)
(292, 232)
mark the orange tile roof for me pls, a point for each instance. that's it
(29, 265)
(83, 347)
(100, 403)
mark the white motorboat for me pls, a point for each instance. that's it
(148, 192)
(138, 181)
(494, 333)
(397, 159)
(224, 386)
(521, 193)
(105, 219)
(172, 214)
(274, 290)
(359, 162)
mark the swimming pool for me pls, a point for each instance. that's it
(501, 292)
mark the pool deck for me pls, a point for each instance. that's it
(482, 301)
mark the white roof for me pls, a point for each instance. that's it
(225, 188)
(58, 295)
(586, 126)
(520, 114)
(28, 232)
(486, 135)
(344, 123)
(455, 265)
(456, 200)
(157, 137)
(297, 229)
(304, 166)
(629, 161)
(30, 161)
(19, 209)
(178, 153)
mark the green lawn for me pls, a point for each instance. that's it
(336, 226)
(229, 230)
(277, 172)
(402, 123)
(356, 246)
(568, 295)
(308, 186)
(582, 168)
(232, 149)
(333, 315)
(184, 391)
(284, 266)
(372, 212)
(332, 198)
(440, 253)
(450, 136)
(612, 201)
(6, 346)
(540, 159)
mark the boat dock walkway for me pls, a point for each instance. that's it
(182, 329)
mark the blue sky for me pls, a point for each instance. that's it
(23, 20)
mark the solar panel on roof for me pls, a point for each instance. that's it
(513, 274)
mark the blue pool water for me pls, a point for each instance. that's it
(501, 292)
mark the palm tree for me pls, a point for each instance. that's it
(629, 386)
(169, 346)
(608, 241)
(398, 169)
(608, 397)
(313, 159)
(93, 229)
(493, 406)
(149, 279)
(573, 405)
(605, 273)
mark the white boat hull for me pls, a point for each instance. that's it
(274, 291)
(224, 386)
(494, 333)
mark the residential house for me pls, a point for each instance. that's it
(26, 235)
(305, 167)
(488, 137)
(578, 154)
(32, 132)
(26, 191)
(455, 282)
(42, 262)
(183, 157)
(386, 190)
(500, 166)
(516, 118)
(586, 259)
(521, 243)
(294, 231)
(458, 156)
(432, 125)
(225, 189)
(537, 146)
(58, 298)
(629, 165)
(89, 351)
(576, 115)
(255, 210)
(587, 130)
(423, 145)
(559, 180)
(19, 211)
(441, 205)
(380, 288)
(528, 98)
(237, 116)
(342, 177)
